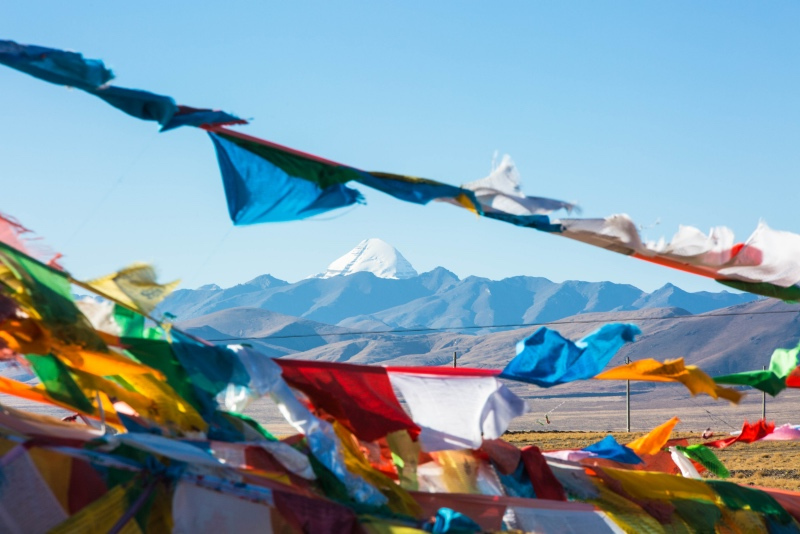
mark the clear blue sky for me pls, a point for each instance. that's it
(679, 112)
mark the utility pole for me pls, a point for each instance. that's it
(627, 401)
(764, 401)
(454, 359)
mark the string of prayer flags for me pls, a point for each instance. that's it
(55, 66)
(265, 182)
(91, 75)
(766, 264)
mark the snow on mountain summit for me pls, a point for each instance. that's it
(375, 256)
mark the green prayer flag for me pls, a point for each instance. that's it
(58, 382)
(772, 380)
(159, 355)
(701, 515)
(788, 294)
(130, 322)
(739, 497)
(705, 457)
(252, 423)
(47, 293)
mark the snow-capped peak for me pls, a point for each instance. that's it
(374, 256)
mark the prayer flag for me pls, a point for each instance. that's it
(655, 440)
(649, 370)
(546, 358)
(772, 380)
(134, 286)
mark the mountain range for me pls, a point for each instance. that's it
(373, 287)
(371, 307)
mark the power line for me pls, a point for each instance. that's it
(520, 325)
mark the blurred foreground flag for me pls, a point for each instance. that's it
(134, 286)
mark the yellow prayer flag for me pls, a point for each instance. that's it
(102, 515)
(400, 501)
(650, 370)
(134, 286)
(660, 486)
(101, 363)
(170, 408)
(654, 441)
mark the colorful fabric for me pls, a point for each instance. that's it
(649, 370)
(188, 116)
(545, 484)
(793, 380)
(457, 412)
(183, 459)
(772, 380)
(609, 449)
(55, 66)
(537, 520)
(13, 234)
(764, 264)
(398, 499)
(655, 440)
(749, 434)
(686, 467)
(359, 396)
(705, 457)
(27, 504)
(264, 183)
(58, 382)
(103, 515)
(660, 486)
(199, 509)
(46, 296)
(136, 103)
(501, 192)
(303, 514)
(72, 69)
(448, 521)
(785, 432)
(546, 358)
(739, 497)
(418, 190)
(134, 286)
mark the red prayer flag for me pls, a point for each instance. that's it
(545, 483)
(749, 434)
(360, 397)
(793, 380)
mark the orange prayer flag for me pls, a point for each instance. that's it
(650, 370)
(654, 441)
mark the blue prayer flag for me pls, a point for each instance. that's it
(609, 449)
(546, 358)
